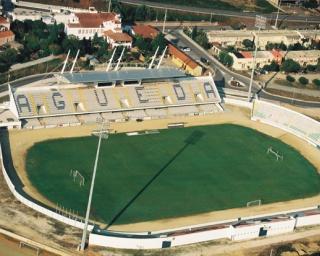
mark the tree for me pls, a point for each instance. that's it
(290, 79)
(194, 32)
(159, 41)
(303, 80)
(202, 39)
(273, 67)
(144, 45)
(316, 82)
(290, 65)
(225, 59)
(311, 4)
(7, 58)
(247, 43)
(72, 43)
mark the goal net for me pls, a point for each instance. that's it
(254, 203)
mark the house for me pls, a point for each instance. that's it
(116, 39)
(243, 60)
(184, 62)
(304, 58)
(4, 22)
(86, 25)
(6, 36)
(144, 31)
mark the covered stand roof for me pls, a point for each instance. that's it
(123, 75)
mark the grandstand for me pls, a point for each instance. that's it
(116, 96)
(286, 119)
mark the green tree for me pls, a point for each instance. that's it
(247, 43)
(7, 58)
(290, 65)
(159, 41)
(311, 4)
(194, 32)
(225, 59)
(73, 44)
(273, 67)
(316, 82)
(202, 39)
(290, 79)
(303, 80)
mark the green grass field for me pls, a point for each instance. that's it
(177, 172)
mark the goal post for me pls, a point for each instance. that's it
(257, 202)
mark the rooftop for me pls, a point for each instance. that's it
(118, 37)
(182, 56)
(303, 54)
(3, 20)
(6, 33)
(123, 75)
(145, 31)
(93, 20)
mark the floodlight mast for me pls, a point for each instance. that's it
(84, 234)
(260, 24)
(276, 22)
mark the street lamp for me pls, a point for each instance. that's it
(103, 133)
(260, 24)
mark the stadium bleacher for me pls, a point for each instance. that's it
(65, 104)
(286, 119)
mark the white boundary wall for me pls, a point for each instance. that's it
(37, 207)
(293, 122)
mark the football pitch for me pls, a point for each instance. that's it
(173, 173)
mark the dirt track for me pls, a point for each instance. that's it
(22, 140)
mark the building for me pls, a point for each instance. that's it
(184, 62)
(118, 39)
(304, 58)
(235, 38)
(4, 23)
(144, 31)
(6, 36)
(243, 60)
(86, 25)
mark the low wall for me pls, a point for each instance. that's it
(293, 122)
(35, 206)
(239, 103)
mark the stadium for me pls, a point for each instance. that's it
(178, 163)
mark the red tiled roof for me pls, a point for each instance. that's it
(3, 20)
(6, 33)
(247, 55)
(93, 20)
(145, 31)
(277, 54)
(182, 56)
(118, 37)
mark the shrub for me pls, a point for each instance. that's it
(303, 80)
(290, 79)
(316, 82)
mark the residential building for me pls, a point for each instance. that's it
(235, 37)
(304, 58)
(4, 22)
(6, 36)
(86, 25)
(118, 39)
(144, 31)
(243, 60)
(184, 62)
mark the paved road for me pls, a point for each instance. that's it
(292, 18)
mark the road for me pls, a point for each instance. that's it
(208, 11)
(223, 75)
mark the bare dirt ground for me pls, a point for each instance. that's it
(22, 140)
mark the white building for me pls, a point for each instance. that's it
(244, 60)
(86, 25)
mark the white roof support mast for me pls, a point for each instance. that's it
(111, 59)
(162, 56)
(65, 63)
(118, 64)
(153, 58)
(74, 61)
